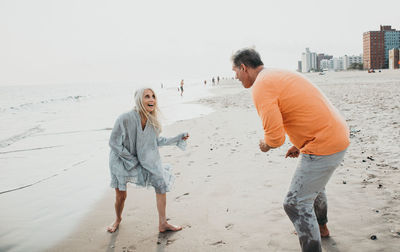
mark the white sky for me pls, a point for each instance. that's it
(73, 41)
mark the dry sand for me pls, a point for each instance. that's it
(228, 195)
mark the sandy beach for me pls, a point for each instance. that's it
(69, 72)
(228, 195)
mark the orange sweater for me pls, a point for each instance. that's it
(289, 103)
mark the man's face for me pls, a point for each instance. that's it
(242, 75)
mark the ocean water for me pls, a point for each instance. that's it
(54, 153)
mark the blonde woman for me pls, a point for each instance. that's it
(134, 156)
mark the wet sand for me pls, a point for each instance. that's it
(228, 195)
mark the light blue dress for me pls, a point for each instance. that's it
(134, 155)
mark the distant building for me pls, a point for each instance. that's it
(321, 57)
(308, 61)
(334, 64)
(348, 60)
(376, 46)
(373, 49)
(337, 64)
(326, 65)
(311, 61)
(392, 40)
(394, 59)
(299, 66)
(314, 61)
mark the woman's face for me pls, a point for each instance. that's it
(149, 100)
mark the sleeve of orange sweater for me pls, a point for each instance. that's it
(266, 102)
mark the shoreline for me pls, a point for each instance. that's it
(228, 195)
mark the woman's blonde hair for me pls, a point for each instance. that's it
(153, 117)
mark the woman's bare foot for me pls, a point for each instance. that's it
(324, 231)
(113, 227)
(168, 227)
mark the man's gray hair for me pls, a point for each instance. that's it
(248, 57)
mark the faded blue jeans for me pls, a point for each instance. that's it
(306, 203)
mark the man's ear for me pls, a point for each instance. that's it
(243, 66)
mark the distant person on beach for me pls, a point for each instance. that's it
(134, 156)
(217, 79)
(213, 81)
(181, 87)
(287, 103)
(205, 82)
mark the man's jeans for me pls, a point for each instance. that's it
(306, 203)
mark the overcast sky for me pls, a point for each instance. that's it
(74, 41)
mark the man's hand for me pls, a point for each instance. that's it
(264, 147)
(293, 152)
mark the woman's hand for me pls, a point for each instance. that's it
(293, 152)
(185, 137)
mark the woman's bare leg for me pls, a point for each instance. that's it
(120, 197)
(161, 205)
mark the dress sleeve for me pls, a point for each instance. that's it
(116, 144)
(177, 140)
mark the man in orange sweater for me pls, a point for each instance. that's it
(288, 103)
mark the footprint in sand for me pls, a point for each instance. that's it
(170, 241)
(268, 185)
(229, 226)
(163, 240)
(185, 194)
(218, 243)
(129, 249)
(186, 226)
